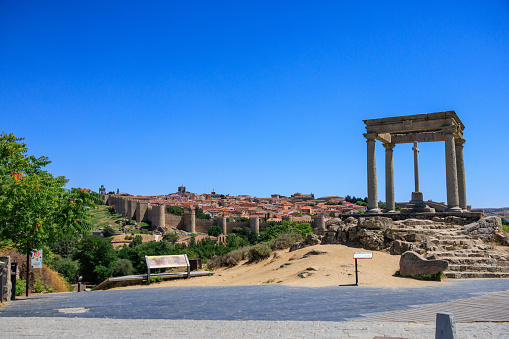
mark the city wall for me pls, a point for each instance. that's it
(156, 216)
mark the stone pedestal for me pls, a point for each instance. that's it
(417, 205)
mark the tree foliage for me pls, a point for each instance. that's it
(273, 230)
(215, 231)
(175, 210)
(35, 208)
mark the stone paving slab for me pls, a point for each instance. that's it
(266, 302)
(493, 307)
(162, 328)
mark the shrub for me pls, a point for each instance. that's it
(122, 268)
(108, 231)
(272, 231)
(171, 237)
(258, 252)
(284, 240)
(68, 268)
(111, 210)
(21, 286)
(137, 241)
(214, 231)
(228, 260)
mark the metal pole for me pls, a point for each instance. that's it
(356, 275)
(28, 273)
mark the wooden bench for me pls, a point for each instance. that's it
(167, 261)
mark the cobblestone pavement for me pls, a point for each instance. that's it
(251, 311)
(164, 328)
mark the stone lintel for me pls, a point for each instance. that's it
(408, 138)
(413, 123)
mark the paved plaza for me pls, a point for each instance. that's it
(263, 311)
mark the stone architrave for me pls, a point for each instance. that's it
(431, 127)
(412, 264)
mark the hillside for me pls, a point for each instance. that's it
(499, 212)
(335, 267)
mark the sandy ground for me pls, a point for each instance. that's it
(336, 267)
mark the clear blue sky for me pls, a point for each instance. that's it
(254, 98)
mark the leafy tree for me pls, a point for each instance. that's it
(332, 214)
(67, 267)
(108, 231)
(97, 258)
(122, 268)
(35, 208)
(215, 231)
(64, 246)
(241, 219)
(137, 241)
(175, 210)
(171, 238)
(204, 216)
(246, 233)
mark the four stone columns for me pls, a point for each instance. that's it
(455, 173)
(390, 203)
(372, 184)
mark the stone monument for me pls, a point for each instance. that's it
(431, 127)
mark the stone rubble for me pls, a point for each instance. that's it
(467, 247)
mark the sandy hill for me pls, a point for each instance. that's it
(335, 267)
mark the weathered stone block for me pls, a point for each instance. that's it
(412, 264)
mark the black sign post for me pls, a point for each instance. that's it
(360, 255)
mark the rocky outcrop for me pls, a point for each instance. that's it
(412, 264)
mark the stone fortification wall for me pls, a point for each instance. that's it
(131, 209)
(202, 225)
(173, 221)
(141, 211)
(231, 225)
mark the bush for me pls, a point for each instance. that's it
(175, 210)
(137, 241)
(273, 230)
(258, 252)
(122, 268)
(284, 240)
(214, 231)
(171, 238)
(21, 286)
(204, 216)
(108, 231)
(68, 268)
(228, 260)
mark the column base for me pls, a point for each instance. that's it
(373, 211)
(417, 205)
(454, 209)
(390, 212)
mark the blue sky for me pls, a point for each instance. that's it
(254, 98)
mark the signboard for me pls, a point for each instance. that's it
(36, 259)
(167, 261)
(363, 255)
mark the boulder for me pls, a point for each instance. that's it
(412, 264)
(313, 252)
(312, 239)
(377, 223)
(400, 247)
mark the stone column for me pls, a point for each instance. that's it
(390, 203)
(416, 166)
(372, 184)
(451, 173)
(460, 167)
(254, 224)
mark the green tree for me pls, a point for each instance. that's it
(215, 231)
(108, 231)
(175, 210)
(97, 258)
(332, 214)
(35, 208)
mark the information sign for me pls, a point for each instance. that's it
(363, 255)
(36, 260)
